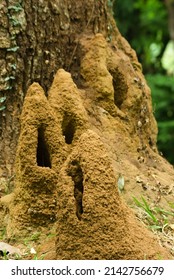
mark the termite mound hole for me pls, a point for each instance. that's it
(120, 87)
(68, 128)
(76, 174)
(43, 155)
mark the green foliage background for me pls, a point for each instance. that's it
(144, 23)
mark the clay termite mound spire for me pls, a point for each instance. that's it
(40, 153)
(93, 221)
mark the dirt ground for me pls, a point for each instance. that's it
(89, 135)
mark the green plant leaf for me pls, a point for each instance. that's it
(155, 227)
(146, 208)
(165, 212)
(149, 211)
(137, 202)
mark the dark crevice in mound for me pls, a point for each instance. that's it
(120, 88)
(43, 156)
(68, 129)
(77, 176)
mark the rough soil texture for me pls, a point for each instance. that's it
(98, 225)
(72, 147)
(39, 155)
